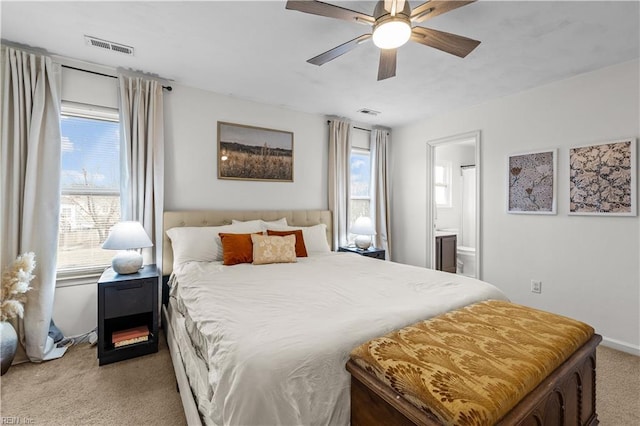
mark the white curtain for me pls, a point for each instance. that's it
(30, 168)
(339, 178)
(468, 207)
(381, 208)
(142, 158)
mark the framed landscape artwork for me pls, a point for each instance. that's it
(532, 182)
(254, 153)
(602, 179)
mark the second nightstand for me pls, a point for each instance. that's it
(126, 302)
(376, 253)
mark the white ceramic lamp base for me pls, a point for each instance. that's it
(127, 262)
(363, 241)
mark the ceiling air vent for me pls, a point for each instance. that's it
(108, 45)
(368, 111)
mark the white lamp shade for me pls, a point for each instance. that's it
(127, 235)
(363, 226)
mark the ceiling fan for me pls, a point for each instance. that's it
(393, 25)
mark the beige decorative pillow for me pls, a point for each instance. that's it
(273, 249)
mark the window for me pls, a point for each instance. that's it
(360, 170)
(90, 187)
(442, 184)
(360, 203)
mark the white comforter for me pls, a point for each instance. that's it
(278, 336)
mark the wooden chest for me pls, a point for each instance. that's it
(489, 363)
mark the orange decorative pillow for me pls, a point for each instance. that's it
(236, 248)
(301, 249)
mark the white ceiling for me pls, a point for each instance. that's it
(258, 50)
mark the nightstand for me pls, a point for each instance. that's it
(376, 253)
(126, 302)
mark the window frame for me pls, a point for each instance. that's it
(361, 151)
(81, 275)
(447, 166)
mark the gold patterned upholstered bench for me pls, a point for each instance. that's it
(489, 363)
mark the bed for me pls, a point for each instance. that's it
(268, 344)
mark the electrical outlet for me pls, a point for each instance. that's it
(536, 286)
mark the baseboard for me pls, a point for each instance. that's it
(621, 346)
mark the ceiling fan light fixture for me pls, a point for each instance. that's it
(392, 33)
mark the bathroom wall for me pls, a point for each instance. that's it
(457, 155)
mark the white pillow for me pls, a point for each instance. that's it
(202, 243)
(315, 237)
(193, 244)
(263, 224)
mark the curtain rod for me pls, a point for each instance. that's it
(356, 127)
(168, 88)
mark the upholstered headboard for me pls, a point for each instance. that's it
(174, 219)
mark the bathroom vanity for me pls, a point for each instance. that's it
(446, 252)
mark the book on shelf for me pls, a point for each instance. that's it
(131, 341)
(130, 333)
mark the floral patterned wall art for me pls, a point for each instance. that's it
(602, 179)
(532, 183)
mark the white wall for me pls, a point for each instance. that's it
(191, 168)
(589, 266)
(75, 307)
(87, 88)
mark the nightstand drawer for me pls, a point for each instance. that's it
(379, 254)
(128, 299)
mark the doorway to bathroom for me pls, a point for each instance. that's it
(453, 198)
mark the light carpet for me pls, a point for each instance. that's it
(74, 390)
(617, 387)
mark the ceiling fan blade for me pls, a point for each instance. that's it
(329, 55)
(387, 66)
(329, 10)
(447, 42)
(434, 8)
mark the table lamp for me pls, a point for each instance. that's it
(127, 236)
(363, 228)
